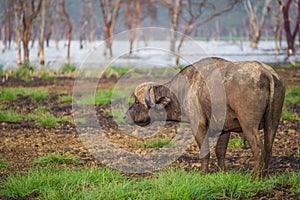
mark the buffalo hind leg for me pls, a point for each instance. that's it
(203, 144)
(221, 149)
(252, 136)
(270, 127)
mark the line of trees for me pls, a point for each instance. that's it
(24, 21)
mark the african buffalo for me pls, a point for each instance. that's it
(253, 98)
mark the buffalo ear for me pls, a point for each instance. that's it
(162, 102)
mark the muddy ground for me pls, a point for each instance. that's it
(21, 143)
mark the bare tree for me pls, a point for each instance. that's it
(91, 29)
(290, 35)
(70, 28)
(3, 36)
(7, 24)
(87, 23)
(192, 20)
(53, 16)
(134, 11)
(110, 11)
(83, 23)
(18, 7)
(42, 34)
(174, 7)
(256, 20)
(277, 25)
(30, 11)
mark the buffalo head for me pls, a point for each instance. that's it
(153, 102)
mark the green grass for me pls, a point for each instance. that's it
(65, 99)
(156, 143)
(9, 94)
(38, 95)
(56, 159)
(25, 71)
(292, 95)
(8, 115)
(118, 115)
(68, 68)
(238, 142)
(35, 94)
(101, 97)
(1, 69)
(289, 116)
(102, 183)
(80, 120)
(3, 164)
(42, 117)
(118, 71)
(104, 96)
(45, 74)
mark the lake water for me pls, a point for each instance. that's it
(149, 53)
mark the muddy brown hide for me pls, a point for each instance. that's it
(216, 97)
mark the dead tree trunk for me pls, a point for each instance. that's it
(3, 36)
(82, 33)
(70, 27)
(133, 12)
(174, 16)
(9, 22)
(42, 33)
(30, 14)
(110, 11)
(256, 22)
(83, 23)
(87, 23)
(290, 35)
(175, 8)
(91, 24)
(18, 24)
(277, 23)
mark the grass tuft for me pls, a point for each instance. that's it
(292, 95)
(289, 116)
(239, 142)
(42, 117)
(104, 96)
(45, 74)
(11, 94)
(25, 71)
(3, 164)
(118, 71)
(38, 95)
(56, 159)
(9, 115)
(156, 143)
(80, 120)
(68, 68)
(65, 99)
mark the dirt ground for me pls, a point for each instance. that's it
(21, 143)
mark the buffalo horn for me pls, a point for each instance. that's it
(148, 100)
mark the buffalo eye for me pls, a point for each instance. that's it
(137, 102)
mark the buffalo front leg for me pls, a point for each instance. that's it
(221, 149)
